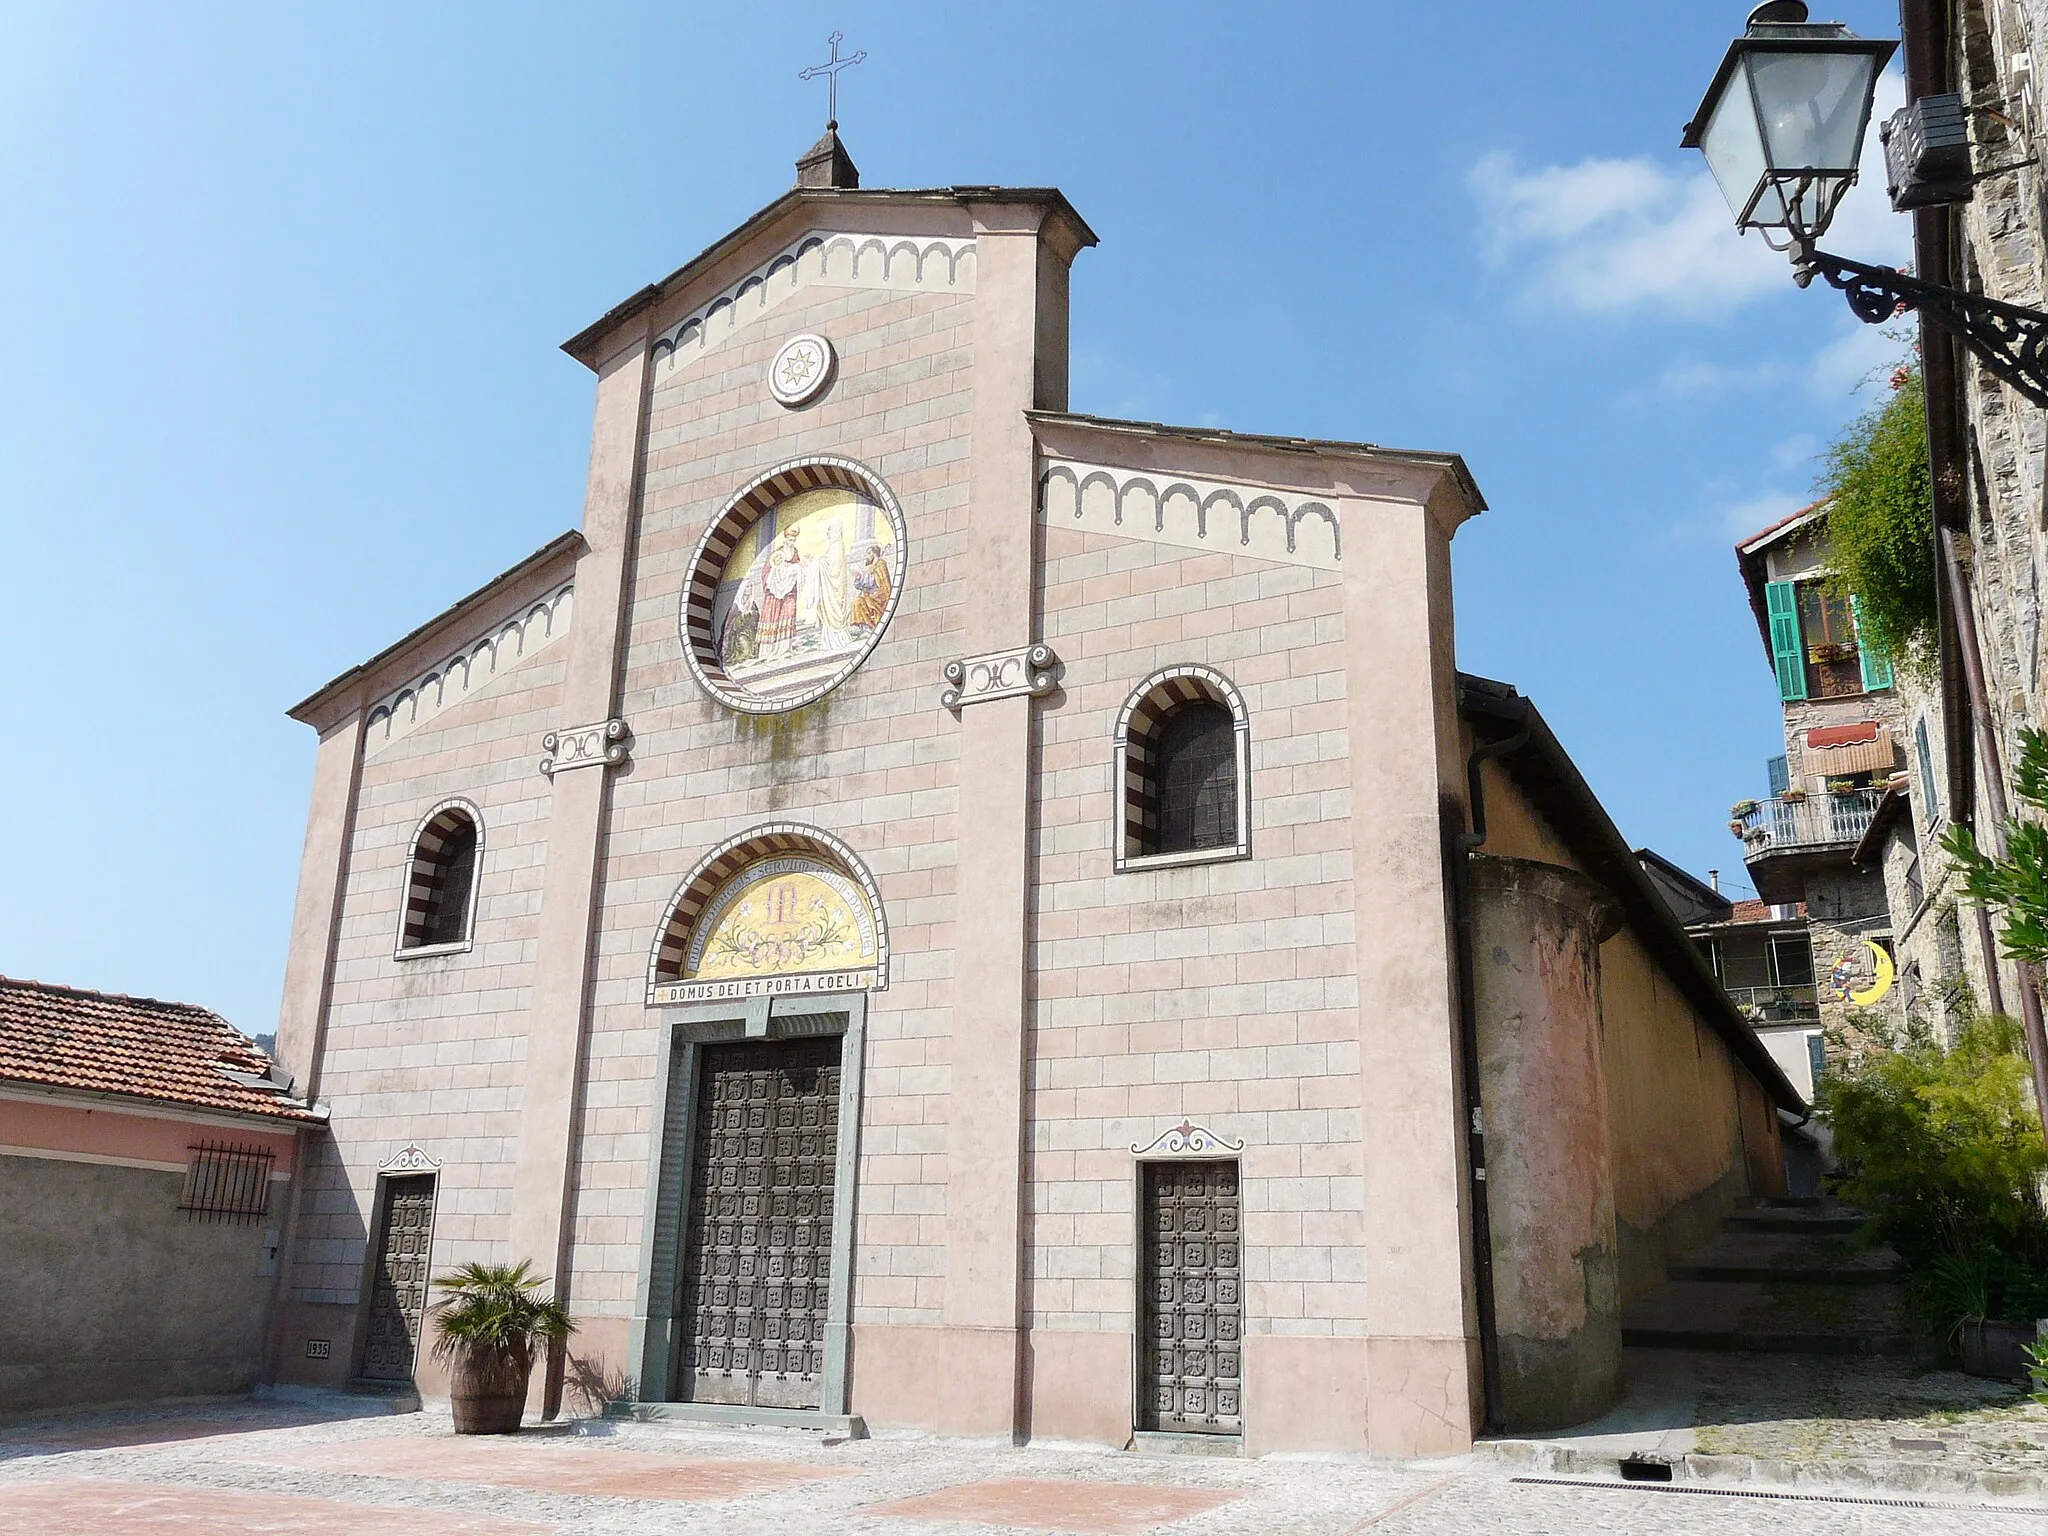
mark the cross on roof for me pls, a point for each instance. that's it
(830, 70)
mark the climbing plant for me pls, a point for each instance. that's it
(1881, 524)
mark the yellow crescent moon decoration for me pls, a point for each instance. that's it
(1883, 981)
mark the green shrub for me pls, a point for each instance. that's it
(1944, 1150)
(1881, 524)
(496, 1308)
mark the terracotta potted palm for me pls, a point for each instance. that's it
(487, 1326)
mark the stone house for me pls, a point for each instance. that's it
(146, 1155)
(1988, 452)
(933, 909)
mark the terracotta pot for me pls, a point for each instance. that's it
(488, 1390)
(1997, 1350)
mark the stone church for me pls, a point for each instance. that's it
(929, 909)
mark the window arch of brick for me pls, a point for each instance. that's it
(679, 922)
(1183, 767)
(445, 857)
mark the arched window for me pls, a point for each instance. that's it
(1184, 760)
(440, 899)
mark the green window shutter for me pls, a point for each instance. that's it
(1781, 603)
(1877, 667)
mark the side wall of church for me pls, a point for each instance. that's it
(1223, 993)
(1689, 1128)
(873, 763)
(428, 1050)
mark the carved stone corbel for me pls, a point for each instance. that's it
(602, 745)
(1032, 669)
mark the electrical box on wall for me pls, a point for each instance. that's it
(1927, 153)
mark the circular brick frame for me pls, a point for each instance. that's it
(707, 564)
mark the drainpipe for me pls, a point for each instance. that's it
(1994, 792)
(1462, 848)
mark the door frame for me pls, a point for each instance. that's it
(366, 1294)
(685, 1031)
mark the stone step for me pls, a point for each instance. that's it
(1778, 1317)
(1825, 1221)
(1800, 1257)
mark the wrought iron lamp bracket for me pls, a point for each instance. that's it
(2010, 341)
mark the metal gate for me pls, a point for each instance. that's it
(1194, 1311)
(398, 1286)
(757, 1250)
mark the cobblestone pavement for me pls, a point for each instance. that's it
(338, 1469)
(1858, 1419)
(1843, 1409)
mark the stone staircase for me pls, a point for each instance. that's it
(1786, 1276)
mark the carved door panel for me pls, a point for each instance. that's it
(757, 1248)
(1194, 1311)
(398, 1284)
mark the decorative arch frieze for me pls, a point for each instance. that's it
(710, 895)
(821, 258)
(507, 644)
(1194, 514)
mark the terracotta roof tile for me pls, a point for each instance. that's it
(104, 1042)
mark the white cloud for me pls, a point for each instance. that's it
(1736, 521)
(1794, 451)
(1617, 236)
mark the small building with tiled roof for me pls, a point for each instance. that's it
(145, 1151)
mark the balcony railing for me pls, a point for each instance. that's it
(1776, 1005)
(1818, 821)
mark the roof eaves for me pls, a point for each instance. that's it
(1553, 780)
(556, 547)
(1892, 805)
(583, 345)
(290, 1115)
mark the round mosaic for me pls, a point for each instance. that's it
(800, 369)
(792, 585)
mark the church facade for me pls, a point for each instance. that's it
(934, 909)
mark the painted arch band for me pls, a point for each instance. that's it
(792, 584)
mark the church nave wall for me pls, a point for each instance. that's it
(873, 763)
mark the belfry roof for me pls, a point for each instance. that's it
(139, 1048)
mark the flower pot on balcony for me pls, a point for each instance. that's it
(1793, 796)
(1821, 655)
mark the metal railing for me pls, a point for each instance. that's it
(1782, 825)
(1776, 1005)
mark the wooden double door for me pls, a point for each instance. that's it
(757, 1245)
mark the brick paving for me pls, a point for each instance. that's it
(265, 1470)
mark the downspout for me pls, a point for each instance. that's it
(1994, 793)
(1462, 848)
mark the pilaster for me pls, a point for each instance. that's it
(1400, 690)
(985, 1165)
(559, 1016)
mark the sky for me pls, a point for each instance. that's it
(285, 286)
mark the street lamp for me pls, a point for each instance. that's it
(1782, 128)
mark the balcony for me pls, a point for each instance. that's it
(1776, 1005)
(1783, 840)
(1818, 821)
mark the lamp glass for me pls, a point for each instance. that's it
(1813, 106)
(1734, 145)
